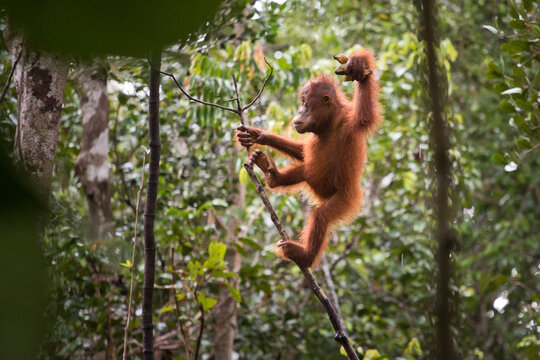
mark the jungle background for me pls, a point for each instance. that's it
(216, 270)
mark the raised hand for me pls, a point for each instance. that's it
(248, 136)
(357, 68)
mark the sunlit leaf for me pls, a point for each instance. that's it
(166, 308)
(243, 176)
(206, 302)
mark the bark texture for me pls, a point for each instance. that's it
(92, 165)
(150, 210)
(226, 317)
(40, 80)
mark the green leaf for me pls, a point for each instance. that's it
(127, 264)
(492, 282)
(207, 205)
(525, 105)
(224, 274)
(216, 254)
(372, 354)
(500, 87)
(528, 341)
(519, 74)
(499, 159)
(206, 302)
(180, 296)
(506, 107)
(518, 24)
(513, 12)
(449, 49)
(493, 71)
(194, 268)
(514, 46)
(166, 308)
(521, 123)
(217, 250)
(235, 293)
(523, 143)
(413, 348)
(243, 176)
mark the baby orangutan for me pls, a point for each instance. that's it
(331, 160)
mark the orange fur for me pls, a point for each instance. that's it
(332, 158)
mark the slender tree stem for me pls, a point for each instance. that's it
(117, 161)
(332, 291)
(150, 209)
(130, 300)
(199, 337)
(8, 82)
(177, 307)
(439, 141)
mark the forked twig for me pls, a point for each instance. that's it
(239, 111)
(262, 88)
(195, 99)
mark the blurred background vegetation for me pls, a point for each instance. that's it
(382, 265)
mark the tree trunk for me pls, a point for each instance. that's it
(226, 316)
(40, 80)
(92, 166)
(150, 209)
(439, 142)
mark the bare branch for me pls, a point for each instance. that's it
(197, 100)
(6, 87)
(262, 88)
(199, 337)
(332, 291)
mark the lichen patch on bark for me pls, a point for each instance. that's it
(50, 104)
(41, 82)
